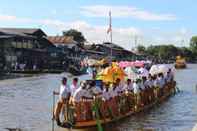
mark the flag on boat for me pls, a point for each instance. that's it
(110, 26)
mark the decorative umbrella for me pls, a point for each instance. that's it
(143, 72)
(110, 74)
(131, 72)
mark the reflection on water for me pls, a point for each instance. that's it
(26, 103)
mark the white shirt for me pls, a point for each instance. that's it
(64, 91)
(128, 87)
(148, 83)
(73, 88)
(161, 82)
(156, 83)
(106, 95)
(141, 85)
(96, 90)
(136, 89)
(169, 77)
(78, 94)
(113, 93)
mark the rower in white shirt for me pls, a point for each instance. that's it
(106, 94)
(80, 92)
(113, 91)
(64, 96)
(149, 82)
(128, 86)
(74, 86)
(136, 91)
(169, 76)
(161, 80)
(93, 90)
(119, 87)
(64, 90)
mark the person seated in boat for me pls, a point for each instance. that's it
(156, 86)
(144, 90)
(106, 97)
(128, 86)
(82, 100)
(169, 76)
(64, 96)
(93, 90)
(114, 100)
(149, 86)
(128, 89)
(136, 91)
(149, 82)
(81, 93)
(119, 88)
(74, 86)
(161, 83)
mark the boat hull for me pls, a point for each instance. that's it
(180, 66)
(93, 123)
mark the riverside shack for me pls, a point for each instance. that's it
(24, 49)
(71, 49)
(105, 49)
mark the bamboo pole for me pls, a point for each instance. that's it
(53, 117)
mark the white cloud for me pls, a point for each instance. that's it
(4, 17)
(125, 11)
(97, 34)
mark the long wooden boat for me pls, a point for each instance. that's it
(180, 63)
(92, 123)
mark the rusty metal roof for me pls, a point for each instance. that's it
(61, 40)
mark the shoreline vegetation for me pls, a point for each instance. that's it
(169, 52)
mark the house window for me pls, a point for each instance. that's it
(29, 44)
(14, 44)
(19, 44)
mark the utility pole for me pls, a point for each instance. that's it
(136, 41)
(110, 31)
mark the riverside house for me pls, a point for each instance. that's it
(71, 49)
(25, 49)
(118, 53)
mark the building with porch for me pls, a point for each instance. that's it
(25, 49)
(112, 50)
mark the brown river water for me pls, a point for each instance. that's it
(26, 103)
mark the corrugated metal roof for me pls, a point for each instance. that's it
(5, 36)
(61, 40)
(8, 32)
(21, 30)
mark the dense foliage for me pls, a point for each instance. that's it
(168, 52)
(77, 36)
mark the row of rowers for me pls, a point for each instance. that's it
(87, 90)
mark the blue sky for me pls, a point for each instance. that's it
(152, 21)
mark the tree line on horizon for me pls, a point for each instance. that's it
(163, 51)
(169, 52)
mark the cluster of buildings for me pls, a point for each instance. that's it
(32, 49)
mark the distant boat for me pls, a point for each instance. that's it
(76, 71)
(180, 62)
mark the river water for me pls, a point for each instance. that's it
(26, 103)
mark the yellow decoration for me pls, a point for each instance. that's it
(111, 74)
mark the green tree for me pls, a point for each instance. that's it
(141, 49)
(193, 44)
(77, 36)
(163, 51)
(187, 53)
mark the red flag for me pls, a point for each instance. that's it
(110, 27)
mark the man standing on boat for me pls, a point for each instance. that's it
(74, 86)
(64, 96)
